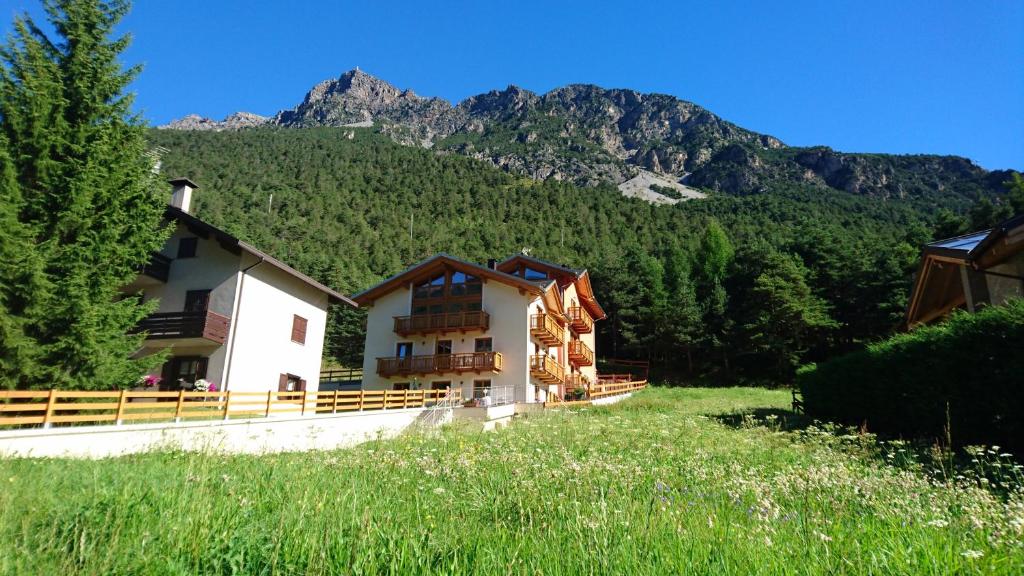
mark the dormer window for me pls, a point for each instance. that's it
(532, 274)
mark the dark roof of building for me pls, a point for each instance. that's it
(233, 244)
(970, 246)
(182, 180)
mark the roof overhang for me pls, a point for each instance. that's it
(441, 262)
(236, 246)
(564, 275)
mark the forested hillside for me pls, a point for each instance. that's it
(746, 285)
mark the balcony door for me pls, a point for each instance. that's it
(182, 371)
(443, 350)
(197, 300)
(403, 351)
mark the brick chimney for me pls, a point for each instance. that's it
(181, 193)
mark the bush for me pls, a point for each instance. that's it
(965, 375)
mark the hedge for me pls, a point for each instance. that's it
(971, 365)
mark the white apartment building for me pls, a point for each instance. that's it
(522, 325)
(229, 313)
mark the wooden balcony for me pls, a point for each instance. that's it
(546, 369)
(158, 267)
(442, 323)
(545, 328)
(203, 325)
(577, 380)
(580, 354)
(580, 320)
(477, 362)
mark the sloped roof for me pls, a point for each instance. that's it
(236, 246)
(430, 266)
(579, 276)
(938, 287)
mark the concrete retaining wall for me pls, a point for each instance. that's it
(611, 399)
(250, 436)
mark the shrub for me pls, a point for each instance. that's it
(962, 380)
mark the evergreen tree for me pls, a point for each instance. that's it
(714, 256)
(1015, 192)
(82, 191)
(788, 315)
(682, 311)
(948, 225)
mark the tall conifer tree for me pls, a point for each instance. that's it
(80, 196)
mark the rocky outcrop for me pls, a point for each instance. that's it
(591, 135)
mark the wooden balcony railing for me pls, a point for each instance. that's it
(577, 380)
(449, 322)
(439, 364)
(580, 320)
(580, 354)
(204, 324)
(545, 328)
(158, 267)
(546, 369)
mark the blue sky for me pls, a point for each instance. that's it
(897, 76)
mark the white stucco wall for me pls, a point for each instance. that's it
(213, 268)
(260, 346)
(250, 436)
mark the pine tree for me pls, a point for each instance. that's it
(788, 315)
(83, 193)
(1015, 192)
(714, 256)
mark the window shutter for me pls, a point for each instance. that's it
(299, 329)
(282, 383)
(201, 368)
(302, 385)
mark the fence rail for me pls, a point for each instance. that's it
(18, 408)
(602, 390)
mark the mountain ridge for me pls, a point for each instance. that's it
(587, 134)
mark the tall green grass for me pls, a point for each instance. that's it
(669, 482)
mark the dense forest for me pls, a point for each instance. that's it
(730, 286)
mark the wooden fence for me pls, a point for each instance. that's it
(47, 407)
(602, 390)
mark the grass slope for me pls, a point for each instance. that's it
(672, 481)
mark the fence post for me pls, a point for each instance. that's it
(405, 398)
(270, 394)
(227, 403)
(51, 399)
(362, 397)
(334, 405)
(180, 406)
(303, 412)
(120, 407)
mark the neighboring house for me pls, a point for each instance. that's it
(522, 326)
(229, 313)
(969, 272)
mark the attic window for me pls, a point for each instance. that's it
(531, 274)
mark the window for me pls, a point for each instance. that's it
(187, 247)
(299, 329)
(290, 383)
(443, 347)
(531, 274)
(401, 386)
(448, 293)
(183, 370)
(440, 385)
(483, 345)
(403, 349)
(481, 388)
(197, 300)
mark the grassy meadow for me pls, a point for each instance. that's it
(673, 481)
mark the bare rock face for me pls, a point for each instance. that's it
(234, 121)
(591, 135)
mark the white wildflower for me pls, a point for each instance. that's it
(972, 554)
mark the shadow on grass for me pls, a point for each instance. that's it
(774, 418)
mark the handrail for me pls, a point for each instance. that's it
(200, 324)
(580, 320)
(439, 363)
(580, 354)
(604, 390)
(545, 365)
(546, 328)
(48, 407)
(444, 322)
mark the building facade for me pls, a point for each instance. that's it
(229, 313)
(968, 272)
(520, 330)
